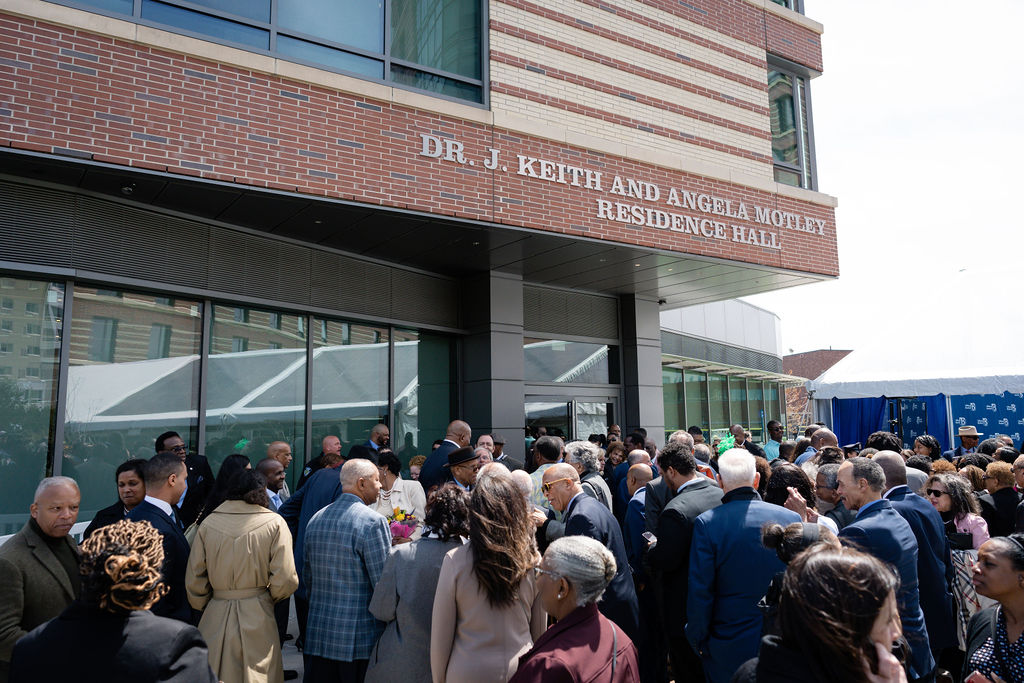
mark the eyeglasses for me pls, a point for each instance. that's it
(538, 571)
(179, 448)
(475, 466)
(935, 493)
(546, 486)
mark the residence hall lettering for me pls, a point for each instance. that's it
(640, 203)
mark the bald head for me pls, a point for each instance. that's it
(523, 482)
(637, 477)
(459, 432)
(637, 457)
(560, 470)
(893, 466)
(822, 438)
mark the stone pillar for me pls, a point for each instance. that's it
(492, 388)
(641, 367)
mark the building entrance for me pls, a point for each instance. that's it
(571, 419)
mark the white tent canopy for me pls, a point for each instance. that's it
(971, 341)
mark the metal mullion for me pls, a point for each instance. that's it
(798, 118)
(56, 460)
(203, 9)
(391, 377)
(137, 8)
(326, 42)
(387, 47)
(204, 362)
(307, 451)
(273, 25)
(485, 48)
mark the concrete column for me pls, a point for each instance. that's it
(492, 389)
(641, 367)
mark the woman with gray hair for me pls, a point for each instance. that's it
(583, 645)
(586, 458)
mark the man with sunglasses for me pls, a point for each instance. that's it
(587, 516)
(200, 476)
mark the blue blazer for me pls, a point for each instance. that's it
(934, 564)
(433, 472)
(175, 604)
(319, 491)
(587, 516)
(730, 571)
(881, 531)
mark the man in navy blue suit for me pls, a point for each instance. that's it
(730, 570)
(880, 530)
(934, 560)
(166, 477)
(433, 472)
(587, 516)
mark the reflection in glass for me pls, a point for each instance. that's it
(696, 387)
(718, 405)
(350, 382)
(205, 24)
(28, 384)
(552, 360)
(755, 402)
(329, 56)
(738, 402)
(783, 117)
(359, 23)
(442, 34)
(423, 399)
(133, 374)
(672, 389)
(773, 409)
(255, 385)
(436, 84)
(553, 416)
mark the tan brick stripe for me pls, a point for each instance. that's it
(636, 96)
(610, 117)
(632, 42)
(627, 67)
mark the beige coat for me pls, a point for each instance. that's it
(469, 639)
(240, 565)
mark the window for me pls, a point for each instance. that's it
(7, 283)
(164, 301)
(5, 371)
(430, 45)
(7, 303)
(32, 372)
(792, 144)
(6, 348)
(31, 308)
(241, 315)
(159, 341)
(795, 5)
(6, 326)
(33, 329)
(30, 351)
(275, 321)
(239, 344)
(103, 339)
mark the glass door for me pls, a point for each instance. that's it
(570, 419)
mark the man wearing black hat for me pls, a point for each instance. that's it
(504, 458)
(463, 466)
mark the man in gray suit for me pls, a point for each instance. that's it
(39, 565)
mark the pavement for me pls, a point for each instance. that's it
(292, 656)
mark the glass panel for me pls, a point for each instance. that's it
(805, 129)
(119, 6)
(592, 417)
(787, 177)
(350, 383)
(755, 413)
(436, 84)
(218, 28)
(28, 386)
(359, 23)
(552, 415)
(251, 9)
(120, 396)
(552, 360)
(738, 402)
(255, 385)
(719, 406)
(782, 110)
(328, 56)
(696, 399)
(423, 390)
(672, 389)
(442, 34)
(771, 405)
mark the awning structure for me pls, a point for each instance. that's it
(964, 340)
(672, 361)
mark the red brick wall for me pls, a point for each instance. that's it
(65, 91)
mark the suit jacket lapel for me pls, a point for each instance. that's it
(52, 564)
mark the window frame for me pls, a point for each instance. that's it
(273, 30)
(806, 151)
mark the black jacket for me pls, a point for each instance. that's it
(200, 483)
(1000, 511)
(176, 549)
(105, 517)
(89, 644)
(980, 628)
(775, 663)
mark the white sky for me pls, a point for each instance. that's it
(919, 129)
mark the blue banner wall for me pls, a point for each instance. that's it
(854, 418)
(990, 413)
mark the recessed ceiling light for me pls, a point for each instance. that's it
(318, 221)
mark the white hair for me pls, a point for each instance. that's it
(494, 470)
(355, 469)
(583, 453)
(523, 481)
(736, 468)
(50, 482)
(583, 562)
(681, 436)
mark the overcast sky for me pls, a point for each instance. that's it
(919, 129)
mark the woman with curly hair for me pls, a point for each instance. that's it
(404, 596)
(240, 565)
(928, 445)
(109, 633)
(486, 612)
(838, 621)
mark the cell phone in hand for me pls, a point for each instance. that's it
(649, 537)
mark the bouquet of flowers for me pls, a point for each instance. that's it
(402, 523)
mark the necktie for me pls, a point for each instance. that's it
(174, 516)
(276, 500)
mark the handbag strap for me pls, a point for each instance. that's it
(615, 648)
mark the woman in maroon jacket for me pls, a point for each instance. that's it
(583, 645)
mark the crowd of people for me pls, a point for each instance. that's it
(609, 559)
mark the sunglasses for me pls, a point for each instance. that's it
(546, 487)
(935, 493)
(178, 448)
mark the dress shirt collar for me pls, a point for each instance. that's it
(573, 500)
(886, 494)
(868, 506)
(164, 506)
(459, 484)
(275, 498)
(698, 476)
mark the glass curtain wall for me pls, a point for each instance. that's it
(31, 322)
(424, 366)
(133, 373)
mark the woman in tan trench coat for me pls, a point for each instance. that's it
(241, 564)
